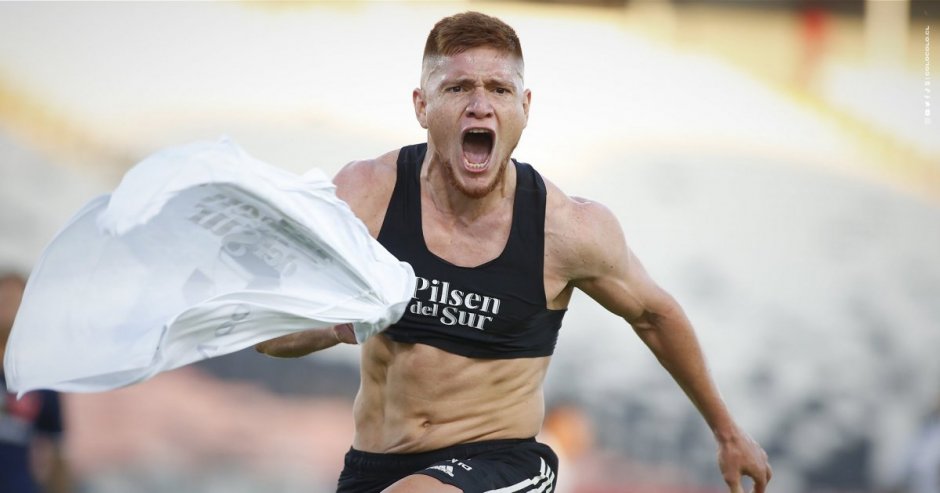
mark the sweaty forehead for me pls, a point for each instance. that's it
(477, 63)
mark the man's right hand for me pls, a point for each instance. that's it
(344, 333)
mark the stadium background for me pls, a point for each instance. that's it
(771, 162)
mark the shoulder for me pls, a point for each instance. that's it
(582, 236)
(367, 186)
(367, 173)
(585, 248)
(577, 220)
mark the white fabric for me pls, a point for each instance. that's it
(201, 251)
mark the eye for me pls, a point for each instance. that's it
(453, 89)
(502, 90)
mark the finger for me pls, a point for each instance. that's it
(759, 485)
(734, 484)
(761, 479)
(768, 473)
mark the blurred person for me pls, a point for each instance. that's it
(814, 37)
(920, 469)
(569, 431)
(31, 455)
(451, 396)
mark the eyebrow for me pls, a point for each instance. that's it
(469, 81)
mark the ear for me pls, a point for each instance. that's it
(421, 107)
(526, 101)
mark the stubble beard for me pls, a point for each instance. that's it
(473, 193)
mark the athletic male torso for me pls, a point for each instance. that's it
(415, 397)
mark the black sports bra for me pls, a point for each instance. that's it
(495, 310)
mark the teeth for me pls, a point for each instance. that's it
(477, 166)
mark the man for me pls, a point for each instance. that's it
(30, 426)
(451, 395)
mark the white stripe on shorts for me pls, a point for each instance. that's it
(546, 477)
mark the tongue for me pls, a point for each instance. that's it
(476, 147)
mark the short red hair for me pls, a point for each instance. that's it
(455, 34)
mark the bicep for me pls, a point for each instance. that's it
(613, 276)
(627, 291)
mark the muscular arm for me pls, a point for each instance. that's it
(608, 271)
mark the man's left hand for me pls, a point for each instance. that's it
(738, 456)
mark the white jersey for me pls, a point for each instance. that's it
(201, 251)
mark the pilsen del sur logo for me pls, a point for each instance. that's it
(435, 298)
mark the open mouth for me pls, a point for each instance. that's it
(477, 147)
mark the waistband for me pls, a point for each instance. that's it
(359, 460)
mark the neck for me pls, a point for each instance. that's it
(448, 199)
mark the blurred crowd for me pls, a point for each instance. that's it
(828, 288)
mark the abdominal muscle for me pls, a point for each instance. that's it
(416, 398)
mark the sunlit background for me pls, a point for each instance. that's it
(774, 164)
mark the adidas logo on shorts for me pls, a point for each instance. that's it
(448, 470)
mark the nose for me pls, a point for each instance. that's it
(479, 105)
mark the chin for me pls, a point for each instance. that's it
(474, 188)
(477, 192)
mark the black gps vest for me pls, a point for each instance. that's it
(495, 310)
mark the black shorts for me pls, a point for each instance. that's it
(521, 465)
